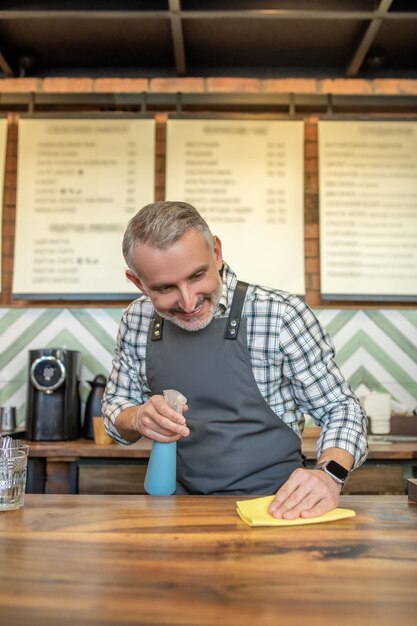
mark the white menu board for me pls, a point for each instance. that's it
(79, 182)
(247, 180)
(368, 209)
(3, 145)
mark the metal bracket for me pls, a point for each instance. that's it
(31, 103)
(329, 108)
(291, 105)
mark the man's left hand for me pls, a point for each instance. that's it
(307, 493)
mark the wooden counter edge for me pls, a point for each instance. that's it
(83, 448)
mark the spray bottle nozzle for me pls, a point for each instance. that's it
(174, 399)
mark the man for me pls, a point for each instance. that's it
(251, 362)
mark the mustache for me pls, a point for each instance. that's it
(198, 304)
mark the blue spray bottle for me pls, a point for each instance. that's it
(161, 474)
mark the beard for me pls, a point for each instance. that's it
(197, 323)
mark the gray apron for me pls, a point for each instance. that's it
(237, 444)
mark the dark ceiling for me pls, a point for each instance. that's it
(321, 38)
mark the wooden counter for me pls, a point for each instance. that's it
(190, 561)
(81, 466)
(85, 448)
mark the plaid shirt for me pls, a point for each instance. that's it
(292, 362)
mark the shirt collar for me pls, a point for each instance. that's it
(229, 282)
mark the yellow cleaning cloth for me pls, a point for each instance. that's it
(255, 513)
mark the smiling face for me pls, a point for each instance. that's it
(182, 281)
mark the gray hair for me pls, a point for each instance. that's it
(160, 225)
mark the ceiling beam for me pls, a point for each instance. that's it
(317, 102)
(367, 40)
(265, 14)
(177, 36)
(298, 14)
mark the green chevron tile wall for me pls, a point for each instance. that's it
(376, 349)
(91, 331)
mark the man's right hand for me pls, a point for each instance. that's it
(154, 419)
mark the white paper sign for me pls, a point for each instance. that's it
(3, 145)
(368, 208)
(79, 182)
(246, 179)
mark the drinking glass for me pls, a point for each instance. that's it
(13, 466)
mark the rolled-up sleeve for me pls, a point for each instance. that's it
(318, 385)
(127, 386)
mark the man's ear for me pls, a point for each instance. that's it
(218, 252)
(135, 280)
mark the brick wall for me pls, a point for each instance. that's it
(210, 85)
(219, 86)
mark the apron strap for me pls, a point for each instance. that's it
(233, 322)
(158, 325)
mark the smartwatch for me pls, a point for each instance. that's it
(336, 471)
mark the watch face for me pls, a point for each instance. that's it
(47, 373)
(337, 470)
